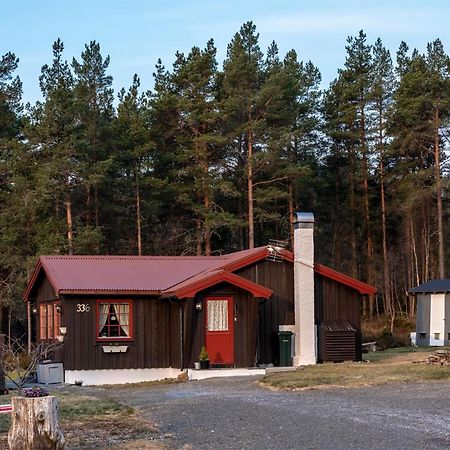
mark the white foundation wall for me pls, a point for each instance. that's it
(118, 376)
(437, 319)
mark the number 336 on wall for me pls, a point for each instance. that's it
(83, 307)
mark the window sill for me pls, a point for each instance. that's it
(114, 348)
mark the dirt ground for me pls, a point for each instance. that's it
(107, 432)
(237, 413)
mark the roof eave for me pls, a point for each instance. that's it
(109, 292)
(361, 287)
(191, 290)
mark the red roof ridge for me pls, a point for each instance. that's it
(133, 257)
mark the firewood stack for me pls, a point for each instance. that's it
(439, 357)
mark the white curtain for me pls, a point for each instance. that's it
(103, 316)
(43, 321)
(217, 315)
(124, 317)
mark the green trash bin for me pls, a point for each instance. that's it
(285, 342)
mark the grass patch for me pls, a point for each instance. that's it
(141, 384)
(90, 422)
(393, 366)
(393, 352)
(72, 406)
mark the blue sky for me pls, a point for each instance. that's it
(135, 33)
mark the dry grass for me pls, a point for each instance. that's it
(89, 422)
(375, 329)
(397, 367)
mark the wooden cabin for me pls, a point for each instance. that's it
(135, 318)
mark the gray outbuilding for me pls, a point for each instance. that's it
(433, 313)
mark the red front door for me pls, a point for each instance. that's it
(219, 330)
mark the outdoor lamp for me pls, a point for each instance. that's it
(198, 306)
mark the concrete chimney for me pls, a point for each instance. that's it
(305, 330)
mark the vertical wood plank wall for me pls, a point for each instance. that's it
(276, 311)
(245, 325)
(337, 302)
(156, 333)
(157, 325)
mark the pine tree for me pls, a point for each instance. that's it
(13, 200)
(133, 163)
(438, 63)
(195, 84)
(382, 91)
(412, 155)
(94, 108)
(52, 138)
(242, 107)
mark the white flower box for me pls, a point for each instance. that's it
(115, 348)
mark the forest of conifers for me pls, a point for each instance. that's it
(216, 158)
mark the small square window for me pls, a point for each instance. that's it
(422, 335)
(448, 336)
(437, 336)
(114, 320)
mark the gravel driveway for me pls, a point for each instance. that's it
(236, 413)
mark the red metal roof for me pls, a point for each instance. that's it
(188, 288)
(161, 275)
(362, 288)
(131, 274)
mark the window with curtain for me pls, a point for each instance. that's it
(114, 320)
(49, 320)
(217, 315)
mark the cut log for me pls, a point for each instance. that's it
(35, 424)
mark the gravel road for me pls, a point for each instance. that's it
(236, 413)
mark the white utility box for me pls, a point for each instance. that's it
(50, 373)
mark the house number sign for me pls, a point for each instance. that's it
(83, 307)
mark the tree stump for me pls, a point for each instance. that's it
(35, 424)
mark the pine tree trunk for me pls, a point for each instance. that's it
(354, 261)
(198, 236)
(251, 224)
(35, 424)
(88, 205)
(414, 251)
(68, 205)
(207, 227)
(386, 284)
(291, 213)
(366, 215)
(437, 164)
(138, 215)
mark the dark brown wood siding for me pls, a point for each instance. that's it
(44, 293)
(155, 343)
(156, 333)
(276, 311)
(335, 302)
(245, 325)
